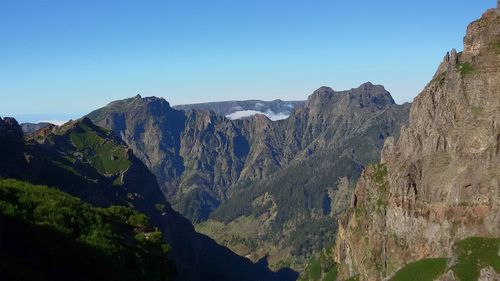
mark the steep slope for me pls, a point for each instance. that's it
(40, 226)
(202, 159)
(439, 183)
(474, 258)
(195, 155)
(328, 142)
(274, 110)
(93, 164)
(29, 128)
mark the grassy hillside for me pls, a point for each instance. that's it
(470, 256)
(320, 268)
(49, 235)
(423, 270)
(474, 254)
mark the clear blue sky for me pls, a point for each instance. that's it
(68, 56)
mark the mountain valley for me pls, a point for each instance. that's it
(345, 185)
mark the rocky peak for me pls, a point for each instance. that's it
(321, 93)
(367, 95)
(12, 158)
(261, 118)
(155, 100)
(483, 35)
(371, 95)
(153, 104)
(438, 183)
(9, 127)
(30, 128)
(75, 124)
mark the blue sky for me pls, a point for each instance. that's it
(65, 57)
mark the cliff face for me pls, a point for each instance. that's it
(320, 149)
(95, 165)
(439, 183)
(201, 159)
(257, 170)
(196, 155)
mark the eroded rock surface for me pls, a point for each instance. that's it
(439, 182)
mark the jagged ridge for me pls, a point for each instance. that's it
(439, 183)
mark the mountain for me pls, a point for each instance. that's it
(40, 226)
(321, 149)
(96, 166)
(439, 183)
(256, 167)
(29, 128)
(274, 110)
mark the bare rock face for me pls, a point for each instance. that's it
(201, 158)
(12, 142)
(439, 182)
(211, 167)
(489, 274)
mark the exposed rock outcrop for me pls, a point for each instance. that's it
(29, 128)
(439, 182)
(203, 160)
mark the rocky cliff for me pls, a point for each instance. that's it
(196, 155)
(439, 183)
(29, 128)
(95, 165)
(203, 159)
(321, 148)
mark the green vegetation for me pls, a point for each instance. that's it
(423, 270)
(331, 275)
(476, 110)
(320, 269)
(354, 278)
(474, 254)
(313, 271)
(465, 68)
(63, 235)
(379, 176)
(495, 46)
(105, 155)
(296, 193)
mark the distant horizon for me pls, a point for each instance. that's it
(55, 59)
(61, 118)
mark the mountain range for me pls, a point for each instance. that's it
(346, 185)
(94, 165)
(274, 110)
(257, 170)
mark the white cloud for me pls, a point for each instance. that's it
(277, 116)
(243, 114)
(259, 105)
(248, 113)
(237, 108)
(53, 121)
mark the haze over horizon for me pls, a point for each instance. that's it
(61, 60)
